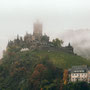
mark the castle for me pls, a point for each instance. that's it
(38, 41)
(37, 33)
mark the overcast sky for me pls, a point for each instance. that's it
(57, 16)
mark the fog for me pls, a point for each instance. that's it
(79, 39)
(57, 16)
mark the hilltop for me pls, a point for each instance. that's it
(60, 57)
(33, 62)
(40, 45)
(31, 70)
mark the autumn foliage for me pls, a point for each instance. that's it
(65, 76)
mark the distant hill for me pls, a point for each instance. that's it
(79, 39)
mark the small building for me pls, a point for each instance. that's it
(79, 73)
(88, 75)
(24, 49)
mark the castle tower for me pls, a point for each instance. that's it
(37, 29)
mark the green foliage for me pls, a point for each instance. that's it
(45, 38)
(57, 43)
(33, 70)
(26, 71)
(61, 59)
(16, 69)
(77, 86)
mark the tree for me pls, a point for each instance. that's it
(37, 76)
(81, 86)
(65, 76)
(45, 38)
(77, 86)
(57, 43)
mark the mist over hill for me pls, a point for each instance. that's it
(79, 39)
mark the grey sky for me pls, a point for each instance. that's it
(17, 17)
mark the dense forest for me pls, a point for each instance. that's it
(38, 69)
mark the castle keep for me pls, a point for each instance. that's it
(37, 39)
(37, 33)
(37, 29)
